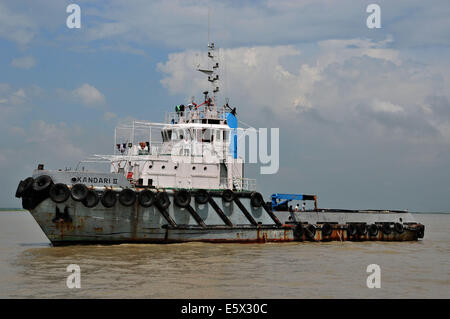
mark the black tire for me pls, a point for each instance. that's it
(362, 229)
(386, 228)
(162, 200)
(399, 228)
(91, 199)
(298, 231)
(201, 196)
(109, 198)
(420, 231)
(373, 230)
(146, 198)
(79, 192)
(127, 197)
(326, 229)
(59, 193)
(351, 230)
(310, 231)
(42, 183)
(256, 199)
(182, 198)
(24, 187)
(228, 195)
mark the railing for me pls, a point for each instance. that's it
(189, 116)
(244, 184)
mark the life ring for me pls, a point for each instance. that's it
(146, 198)
(127, 197)
(91, 199)
(326, 229)
(386, 228)
(228, 195)
(201, 196)
(79, 192)
(256, 199)
(59, 193)
(24, 186)
(362, 229)
(42, 183)
(182, 198)
(351, 230)
(373, 230)
(162, 199)
(399, 228)
(310, 231)
(109, 198)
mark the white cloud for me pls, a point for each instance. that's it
(89, 95)
(26, 62)
(385, 106)
(358, 84)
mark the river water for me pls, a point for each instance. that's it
(31, 268)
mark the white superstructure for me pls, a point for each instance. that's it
(194, 148)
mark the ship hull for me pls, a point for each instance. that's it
(221, 222)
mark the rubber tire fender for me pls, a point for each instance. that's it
(201, 196)
(162, 199)
(399, 228)
(299, 231)
(256, 200)
(420, 231)
(127, 197)
(228, 195)
(373, 230)
(146, 198)
(24, 187)
(42, 183)
(91, 199)
(109, 198)
(326, 229)
(386, 228)
(310, 231)
(351, 230)
(361, 229)
(59, 193)
(182, 198)
(79, 192)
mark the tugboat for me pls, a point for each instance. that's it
(183, 181)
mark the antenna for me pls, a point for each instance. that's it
(208, 20)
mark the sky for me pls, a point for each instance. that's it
(364, 114)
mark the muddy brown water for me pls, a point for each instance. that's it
(31, 268)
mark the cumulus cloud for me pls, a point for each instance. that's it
(26, 62)
(354, 83)
(89, 95)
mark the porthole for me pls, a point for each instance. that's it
(175, 167)
(150, 166)
(163, 167)
(193, 168)
(204, 168)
